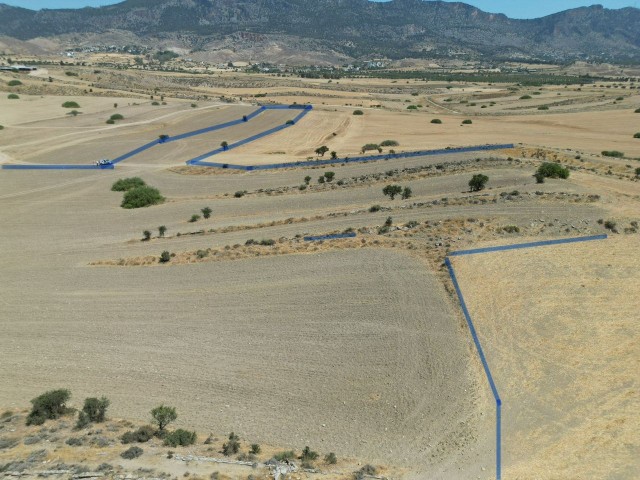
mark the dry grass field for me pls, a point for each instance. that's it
(356, 347)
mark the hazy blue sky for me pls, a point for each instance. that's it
(513, 8)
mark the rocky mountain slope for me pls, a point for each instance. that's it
(354, 28)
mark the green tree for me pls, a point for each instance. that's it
(141, 197)
(70, 105)
(307, 179)
(552, 170)
(146, 235)
(407, 193)
(369, 146)
(165, 257)
(180, 438)
(96, 408)
(334, 155)
(206, 212)
(48, 406)
(329, 176)
(124, 184)
(224, 145)
(162, 230)
(478, 182)
(320, 151)
(163, 415)
(392, 190)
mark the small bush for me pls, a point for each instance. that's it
(637, 110)
(552, 170)
(95, 409)
(369, 146)
(155, 104)
(74, 442)
(330, 458)
(389, 143)
(194, 218)
(141, 435)
(140, 197)
(165, 257)
(407, 193)
(289, 122)
(436, 120)
(232, 446)
(287, 455)
(638, 172)
(131, 453)
(240, 194)
(612, 153)
(180, 437)
(70, 105)
(14, 83)
(110, 122)
(329, 176)
(1, 127)
(13, 96)
(48, 406)
(358, 112)
(543, 107)
(511, 229)
(116, 116)
(525, 97)
(255, 449)
(308, 454)
(193, 105)
(610, 225)
(374, 208)
(206, 212)
(124, 184)
(74, 113)
(467, 122)
(637, 135)
(71, 74)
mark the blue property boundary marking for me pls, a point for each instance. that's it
(472, 329)
(198, 161)
(329, 237)
(168, 139)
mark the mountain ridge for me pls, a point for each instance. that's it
(355, 28)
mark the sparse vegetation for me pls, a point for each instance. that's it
(141, 435)
(255, 449)
(478, 182)
(358, 112)
(330, 458)
(139, 197)
(70, 104)
(308, 454)
(286, 455)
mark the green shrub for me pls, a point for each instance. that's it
(14, 83)
(637, 110)
(206, 212)
(287, 455)
(70, 105)
(407, 193)
(289, 122)
(369, 146)
(543, 107)
(392, 190)
(436, 120)
(412, 107)
(638, 172)
(467, 122)
(552, 170)
(478, 182)
(613, 153)
(255, 449)
(232, 446)
(180, 438)
(124, 184)
(74, 113)
(637, 135)
(155, 104)
(71, 74)
(165, 257)
(116, 116)
(110, 122)
(131, 453)
(73, 441)
(389, 143)
(194, 218)
(308, 454)
(240, 193)
(511, 229)
(330, 458)
(139, 197)
(95, 409)
(525, 97)
(358, 112)
(13, 96)
(1, 127)
(193, 105)
(374, 208)
(48, 406)
(329, 176)
(141, 435)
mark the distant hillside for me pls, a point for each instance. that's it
(355, 28)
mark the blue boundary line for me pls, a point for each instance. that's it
(313, 163)
(329, 237)
(159, 141)
(472, 328)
